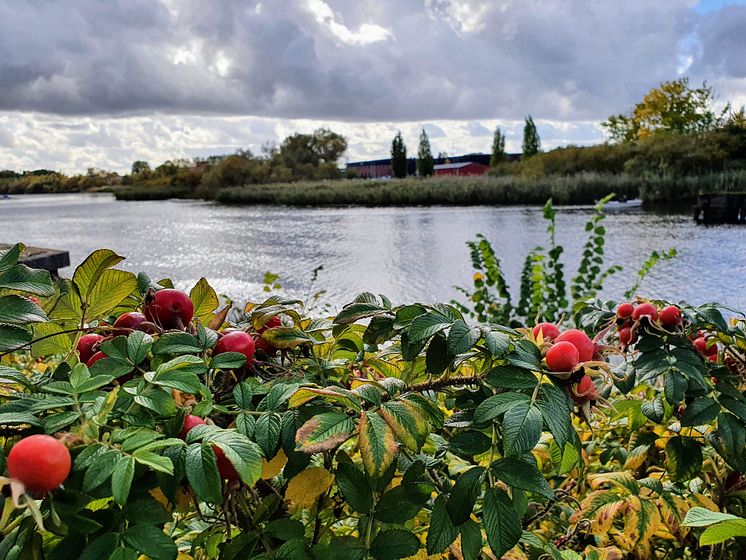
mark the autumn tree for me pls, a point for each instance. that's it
(398, 157)
(670, 107)
(498, 148)
(425, 164)
(531, 140)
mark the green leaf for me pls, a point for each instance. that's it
(522, 426)
(182, 364)
(722, 532)
(18, 418)
(701, 411)
(228, 360)
(60, 344)
(526, 355)
(185, 382)
(244, 454)
(150, 540)
(12, 337)
(426, 325)
(393, 544)
(324, 432)
(24, 279)
(501, 522)
(9, 258)
(18, 310)
(138, 346)
(100, 469)
(402, 502)
(407, 423)
(654, 410)
(121, 479)
(469, 442)
(377, 445)
(511, 377)
(101, 547)
(109, 291)
(358, 310)
(523, 474)
(471, 540)
(464, 495)
(177, 343)
(202, 472)
(683, 458)
(243, 393)
(267, 433)
(442, 531)
(88, 273)
(492, 407)
(556, 413)
(437, 358)
(702, 517)
(205, 301)
(462, 337)
(287, 337)
(497, 343)
(156, 462)
(354, 487)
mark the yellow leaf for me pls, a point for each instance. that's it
(705, 502)
(307, 486)
(636, 457)
(271, 469)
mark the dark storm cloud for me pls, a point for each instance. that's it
(388, 60)
(722, 37)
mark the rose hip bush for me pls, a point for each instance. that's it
(386, 431)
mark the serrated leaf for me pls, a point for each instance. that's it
(442, 531)
(523, 474)
(654, 409)
(701, 411)
(150, 540)
(111, 288)
(202, 473)
(394, 544)
(462, 337)
(426, 325)
(437, 358)
(722, 532)
(205, 301)
(287, 337)
(522, 426)
(354, 487)
(377, 444)
(228, 360)
(501, 522)
(305, 487)
(18, 310)
(324, 432)
(355, 311)
(464, 495)
(702, 517)
(24, 279)
(407, 423)
(121, 478)
(683, 458)
(138, 346)
(471, 540)
(12, 337)
(492, 407)
(177, 343)
(267, 433)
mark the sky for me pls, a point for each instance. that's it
(99, 83)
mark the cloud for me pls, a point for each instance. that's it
(385, 60)
(102, 83)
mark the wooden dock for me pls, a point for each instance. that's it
(721, 208)
(47, 259)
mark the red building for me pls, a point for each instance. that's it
(461, 169)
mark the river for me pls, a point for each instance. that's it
(409, 254)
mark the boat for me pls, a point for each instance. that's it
(623, 204)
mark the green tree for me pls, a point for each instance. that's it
(498, 148)
(425, 164)
(398, 157)
(670, 107)
(531, 140)
(140, 167)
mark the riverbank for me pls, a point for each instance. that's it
(580, 188)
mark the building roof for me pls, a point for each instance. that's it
(455, 165)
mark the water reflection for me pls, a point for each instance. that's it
(407, 253)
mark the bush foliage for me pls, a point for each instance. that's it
(385, 431)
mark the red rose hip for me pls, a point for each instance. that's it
(670, 316)
(583, 391)
(85, 346)
(236, 341)
(190, 421)
(625, 310)
(580, 340)
(273, 323)
(169, 309)
(127, 321)
(645, 310)
(548, 331)
(225, 467)
(95, 358)
(562, 356)
(40, 462)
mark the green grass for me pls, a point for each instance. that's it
(584, 188)
(148, 192)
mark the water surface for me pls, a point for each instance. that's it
(409, 254)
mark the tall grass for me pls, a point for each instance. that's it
(668, 189)
(583, 188)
